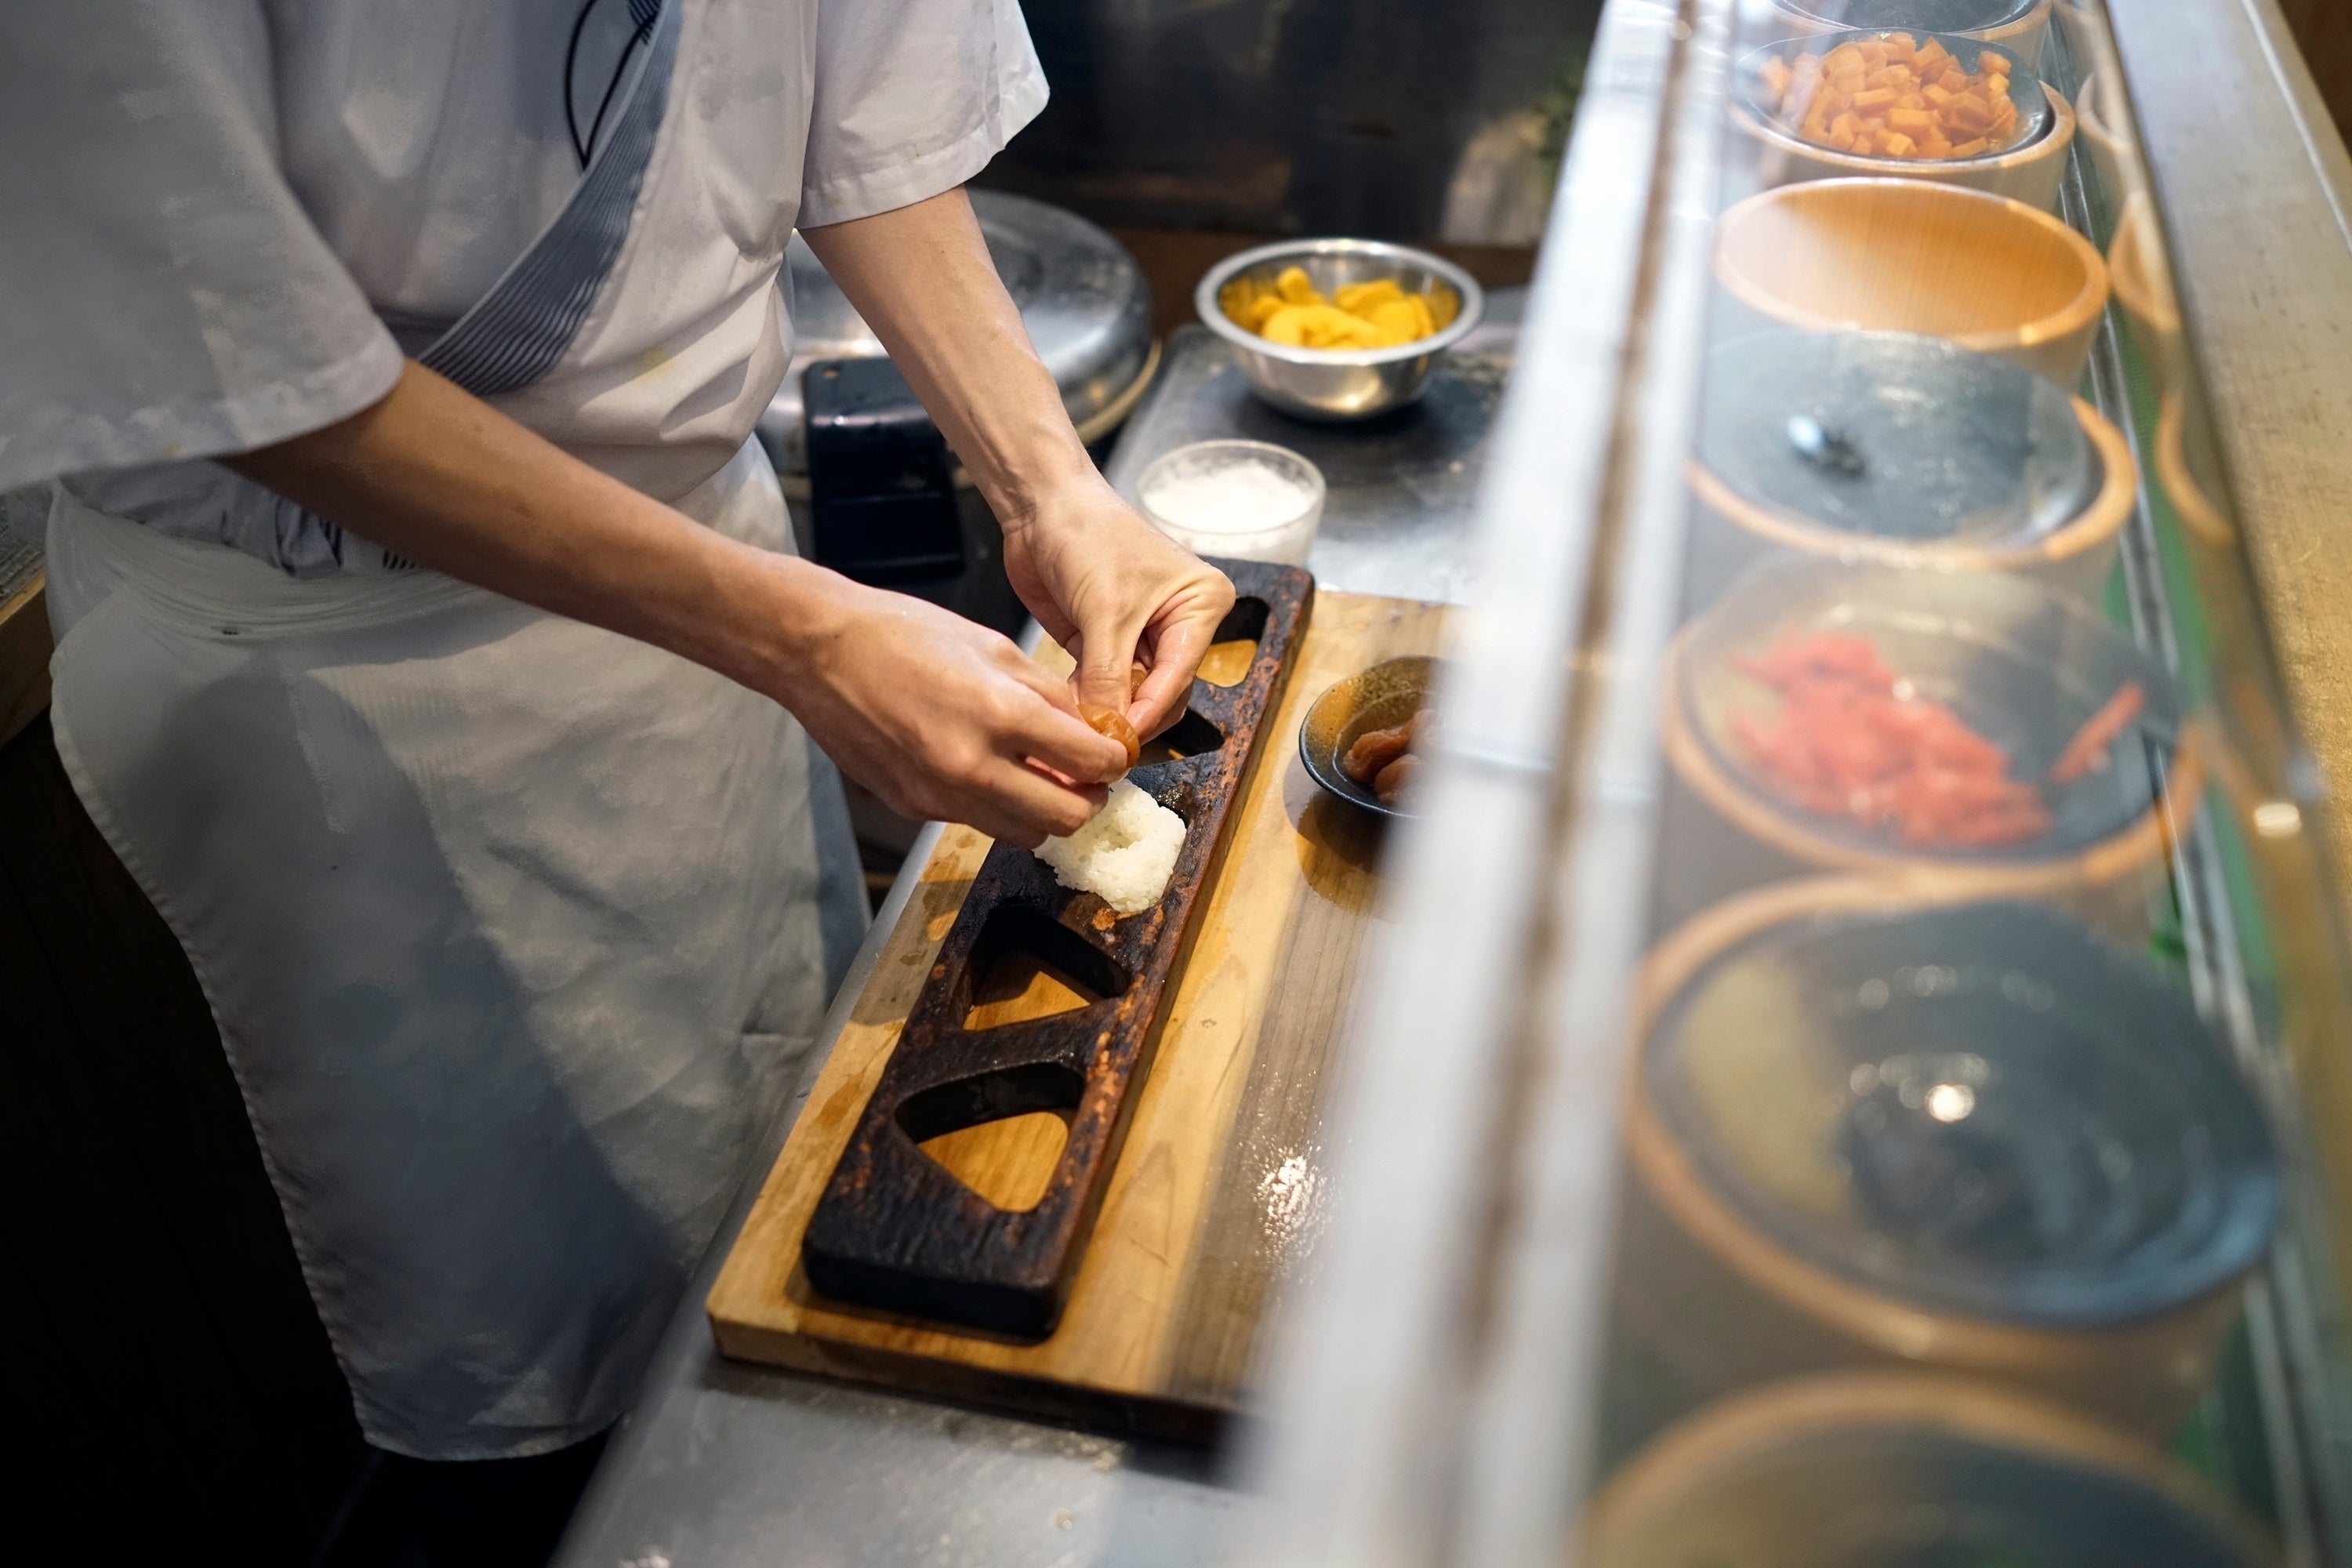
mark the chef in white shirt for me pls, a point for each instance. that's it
(431, 647)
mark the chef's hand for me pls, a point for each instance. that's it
(942, 718)
(1097, 577)
(1114, 591)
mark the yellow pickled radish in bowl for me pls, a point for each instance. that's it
(1377, 314)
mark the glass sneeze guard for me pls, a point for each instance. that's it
(1932, 988)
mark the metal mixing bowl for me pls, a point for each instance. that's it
(1335, 385)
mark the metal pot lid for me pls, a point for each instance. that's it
(2025, 86)
(1983, 1107)
(1082, 298)
(1896, 436)
(1935, 15)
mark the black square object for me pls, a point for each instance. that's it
(880, 483)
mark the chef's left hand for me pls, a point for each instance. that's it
(1114, 591)
(1102, 582)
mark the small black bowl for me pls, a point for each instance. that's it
(1388, 694)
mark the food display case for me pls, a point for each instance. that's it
(1862, 1066)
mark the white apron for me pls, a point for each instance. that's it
(516, 930)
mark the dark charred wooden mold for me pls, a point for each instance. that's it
(895, 1229)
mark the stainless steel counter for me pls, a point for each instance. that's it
(1400, 490)
(723, 1463)
(726, 1462)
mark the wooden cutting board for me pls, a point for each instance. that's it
(1219, 1182)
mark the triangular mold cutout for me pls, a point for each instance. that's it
(1191, 736)
(1009, 1162)
(1026, 966)
(1234, 648)
(999, 1132)
(1019, 985)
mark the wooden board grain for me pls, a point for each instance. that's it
(1218, 1182)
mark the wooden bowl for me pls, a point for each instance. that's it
(2106, 131)
(2204, 520)
(2030, 173)
(1992, 274)
(2023, 36)
(2143, 283)
(2083, 28)
(1764, 1223)
(1824, 1470)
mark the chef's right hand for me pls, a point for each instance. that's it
(941, 717)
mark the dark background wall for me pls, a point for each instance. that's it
(172, 1392)
(2323, 28)
(1285, 116)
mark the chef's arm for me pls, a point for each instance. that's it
(1106, 584)
(941, 717)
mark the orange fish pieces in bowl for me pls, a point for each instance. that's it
(1896, 96)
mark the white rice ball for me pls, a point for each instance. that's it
(1126, 854)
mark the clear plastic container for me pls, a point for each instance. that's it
(1941, 15)
(2022, 664)
(1244, 500)
(1870, 1128)
(2034, 118)
(2020, 26)
(1982, 1108)
(1906, 450)
(1898, 438)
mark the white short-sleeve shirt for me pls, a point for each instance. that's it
(211, 209)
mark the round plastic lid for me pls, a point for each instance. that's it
(1982, 1109)
(1896, 436)
(1932, 15)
